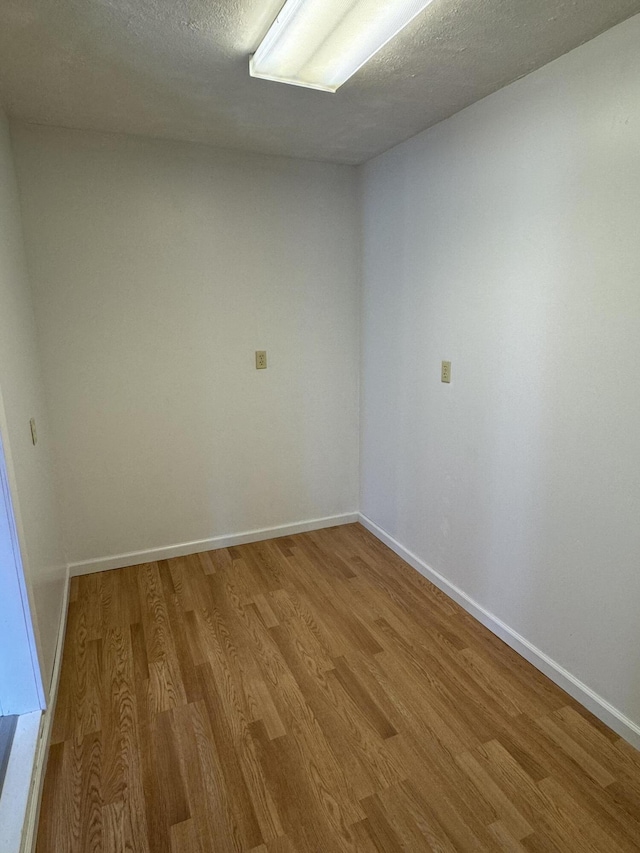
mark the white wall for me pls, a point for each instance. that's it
(21, 398)
(158, 270)
(507, 240)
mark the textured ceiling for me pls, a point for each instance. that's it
(178, 69)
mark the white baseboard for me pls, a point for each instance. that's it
(183, 549)
(598, 706)
(30, 829)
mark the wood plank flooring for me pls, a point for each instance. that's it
(314, 693)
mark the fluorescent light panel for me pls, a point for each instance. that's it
(320, 44)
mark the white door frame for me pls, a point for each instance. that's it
(21, 689)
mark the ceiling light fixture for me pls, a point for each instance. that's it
(320, 44)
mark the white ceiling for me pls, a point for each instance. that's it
(179, 69)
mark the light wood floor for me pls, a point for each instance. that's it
(314, 693)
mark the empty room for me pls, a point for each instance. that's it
(319, 426)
